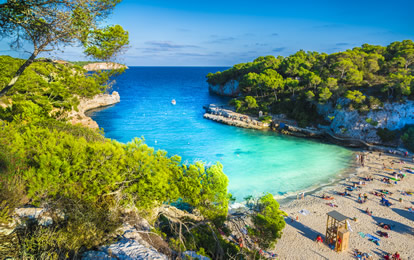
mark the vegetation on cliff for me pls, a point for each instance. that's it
(49, 87)
(363, 77)
(86, 182)
(51, 24)
(76, 171)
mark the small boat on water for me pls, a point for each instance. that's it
(173, 102)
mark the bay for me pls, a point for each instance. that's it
(254, 161)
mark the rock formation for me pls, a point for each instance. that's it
(364, 126)
(101, 100)
(104, 66)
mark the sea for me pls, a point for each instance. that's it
(256, 162)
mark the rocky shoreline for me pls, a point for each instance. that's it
(101, 100)
(226, 115)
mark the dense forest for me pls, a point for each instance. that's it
(92, 181)
(363, 77)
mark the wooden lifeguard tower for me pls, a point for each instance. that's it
(337, 233)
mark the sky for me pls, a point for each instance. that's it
(227, 32)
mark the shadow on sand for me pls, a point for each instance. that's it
(396, 226)
(304, 230)
(404, 213)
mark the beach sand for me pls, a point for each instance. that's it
(298, 240)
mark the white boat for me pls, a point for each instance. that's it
(173, 102)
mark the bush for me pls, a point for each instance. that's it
(408, 138)
(266, 119)
(268, 221)
(371, 121)
(387, 135)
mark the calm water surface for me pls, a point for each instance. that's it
(254, 161)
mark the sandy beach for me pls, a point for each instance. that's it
(298, 240)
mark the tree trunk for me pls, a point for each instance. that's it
(18, 73)
(275, 94)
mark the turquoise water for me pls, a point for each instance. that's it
(254, 161)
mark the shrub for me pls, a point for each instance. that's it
(266, 119)
(386, 135)
(268, 221)
(371, 121)
(408, 138)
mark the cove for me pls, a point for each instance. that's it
(254, 161)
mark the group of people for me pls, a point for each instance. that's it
(360, 158)
(359, 255)
(362, 199)
(395, 256)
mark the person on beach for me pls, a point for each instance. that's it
(365, 197)
(319, 239)
(359, 198)
(396, 256)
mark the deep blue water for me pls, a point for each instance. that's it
(254, 161)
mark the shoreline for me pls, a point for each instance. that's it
(340, 178)
(303, 232)
(87, 104)
(289, 127)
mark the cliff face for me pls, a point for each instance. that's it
(101, 100)
(103, 66)
(352, 124)
(230, 89)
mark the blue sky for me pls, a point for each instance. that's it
(222, 33)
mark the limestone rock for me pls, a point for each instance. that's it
(100, 100)
(131, 246)
(354, 125)
(103, 66)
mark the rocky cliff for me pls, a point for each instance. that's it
(364, 126)
(101, 100)
(230, 89)
(104, 66)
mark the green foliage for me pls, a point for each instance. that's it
(48, 25)
(387, 135)
(371, 121)
(310, 95)
(77, 172)
(105, 43)
(236, 103)
(374, 103)
(205, 189)
(204, 237)
(87, 178)
(266, 119)
(324, 95)
(268, 221)
(355, 96)
(251, 102)
(379, 73)
(408, 138)
(50, 86)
